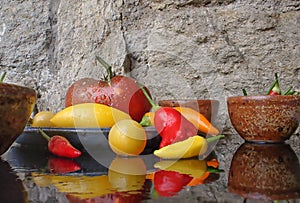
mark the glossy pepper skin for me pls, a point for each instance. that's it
(60, 146)
(196, 118)
(172, 126)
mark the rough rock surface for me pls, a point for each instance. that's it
(178, 48)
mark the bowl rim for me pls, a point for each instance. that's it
(263, 97)
(188, 100)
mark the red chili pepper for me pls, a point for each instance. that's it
(168, 183)
(171, 125)
(61, 165)
(275, 87)
(60, 146)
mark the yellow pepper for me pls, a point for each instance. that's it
(196, 118)
(88, 115)
(83, 187)
(193, 167)
(191, 147)
(42, 119)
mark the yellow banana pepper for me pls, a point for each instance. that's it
(191, 147)
(193, 167)
(88, 115)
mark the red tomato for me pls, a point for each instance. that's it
(120, 92)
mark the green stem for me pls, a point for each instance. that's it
(214, 170)
(145, 122)
(289, 91)
(2, 77)
(108, 68)
(244, 92)
(211, 139)
(154, 106)
(44, 135)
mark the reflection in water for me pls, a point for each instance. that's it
(173, 176)
(265, 171)
(128, 180)
(131, 179)
(12, 189)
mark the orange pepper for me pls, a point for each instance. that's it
(150, 176)
(196, 181)
(200, 122)
(214, 163)
(200, 180)
(196, 118)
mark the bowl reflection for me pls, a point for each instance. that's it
(265, 171)
(12, 189)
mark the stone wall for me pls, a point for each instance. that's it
(178, 48)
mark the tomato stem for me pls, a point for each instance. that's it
(211, 139)
(110, 73)
(2, 77)
(44, 135)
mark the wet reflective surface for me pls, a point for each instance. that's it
(251, 173)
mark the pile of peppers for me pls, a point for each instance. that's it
(173, 126)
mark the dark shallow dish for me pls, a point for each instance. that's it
(264, 118)
(82, 137)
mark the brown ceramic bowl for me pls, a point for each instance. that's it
(16, 105)
(264, 118)
(265, 172)
(208, 108)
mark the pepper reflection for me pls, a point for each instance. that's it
(265, 171)
(173, 176)
(125, 181)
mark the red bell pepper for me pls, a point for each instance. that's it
(171, 125)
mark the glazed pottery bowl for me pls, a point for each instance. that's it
(264, 118)
(16, 106)
(208, 108)
(265, 171)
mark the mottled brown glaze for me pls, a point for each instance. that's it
(16, 105)
(265, 171)
(208, 108)
(264, 118)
